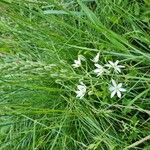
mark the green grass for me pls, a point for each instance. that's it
(40, 41)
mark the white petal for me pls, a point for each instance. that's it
(77, 92)
(80, 87)
(113, 93)
(119, 94)
(80, 94)
(117, 69)
(113, 82)
(111, 88)
(96, 71)
(112, 64)
(75, 65)
(116, 63)
(96, 58)
(77, 61)
(119, 85)
(120, 66)
(98, 66)
(122, 90)
(82, 83)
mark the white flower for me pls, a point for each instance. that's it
(96, 58)
(81, 90)
(115, 66)
(77, 63)
(99, 70)
(116, 89)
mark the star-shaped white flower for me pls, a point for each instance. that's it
(115, 66)
(81, 90)
(77, 63)
(96, 58)
(99, 70)
(116, 89)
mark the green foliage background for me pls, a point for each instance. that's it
(39, 41)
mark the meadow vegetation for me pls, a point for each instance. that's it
(39, 43)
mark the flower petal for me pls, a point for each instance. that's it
(119, 94)
(75, 65)
(96, 58)
(117, 69)
(122, 90)
(120, 66)
(98, 66)
(82, 83)
(113, 93)
(114, 82)
(116, 63)
(119, 85)
(111, 63)
(111, 88)
(96, 71)
(80, 94)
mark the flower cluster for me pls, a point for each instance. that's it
(115, 89)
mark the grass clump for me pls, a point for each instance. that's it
(40, 41)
